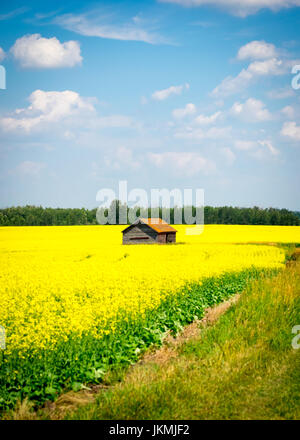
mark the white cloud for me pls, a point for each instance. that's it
(253, 147)
(206, 120)
(122, 157)
(29, 168)
(13, 13)
(161, 95)
(183, 163)
(2, 54)
(46, 107)
(257, 50)
(237, 7)
(272, 66)
(281, 93)
(288, 111)
(34, 51)
(268, 144)
(252, 110)
(231, 85)
(291, 130)
(180, 113)
(94, 25)
(64, 113)
(197, 134)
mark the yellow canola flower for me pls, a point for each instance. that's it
(58, 281)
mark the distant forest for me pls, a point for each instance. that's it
(39, 216)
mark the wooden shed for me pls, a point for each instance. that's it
(149, 231)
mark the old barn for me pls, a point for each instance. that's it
(149, 231)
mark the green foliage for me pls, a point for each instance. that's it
(39, 216)
(86, 360)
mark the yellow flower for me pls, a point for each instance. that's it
(58, 281)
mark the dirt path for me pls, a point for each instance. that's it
(191, 331)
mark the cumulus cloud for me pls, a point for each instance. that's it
(252, 110)
(62, 113)
(231, 85)
(237, 7)
(257, 50)
(46, 107)
(206, 120)
(183, 163)
(2, 54)
(265, 62)
(34, 51)
(180, 113)
(161, 95)
(271, 66)
(291, 130)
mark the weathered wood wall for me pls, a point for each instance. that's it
(171, 237)
(161, 238)
(140, 234)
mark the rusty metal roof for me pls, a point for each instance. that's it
(159, 225)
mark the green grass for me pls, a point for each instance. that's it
(243, 367)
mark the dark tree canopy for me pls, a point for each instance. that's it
(39, 216)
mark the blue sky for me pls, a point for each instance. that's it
(163, 94)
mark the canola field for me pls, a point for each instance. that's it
(75, 302)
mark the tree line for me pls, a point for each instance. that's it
(39, 216)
